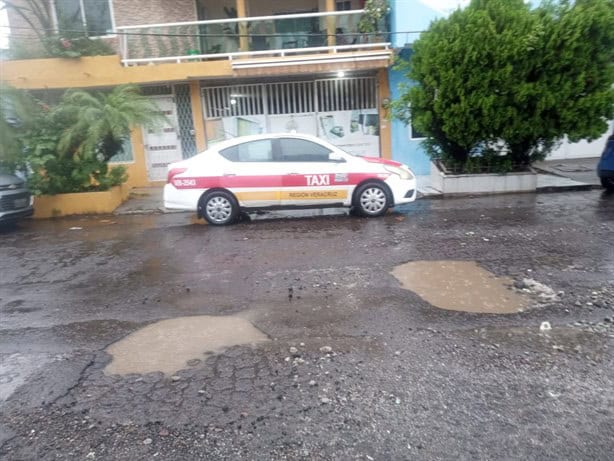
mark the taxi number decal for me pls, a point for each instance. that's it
(184, 182)
(317, 179)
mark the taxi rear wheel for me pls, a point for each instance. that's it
(608, 183)
(371, 200)
(219, 208)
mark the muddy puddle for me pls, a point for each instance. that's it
(460, 286)
(172, 345)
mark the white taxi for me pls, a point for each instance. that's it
(284, 171)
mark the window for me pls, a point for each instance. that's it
(254, 151)
(343, 6)
(125, 155)
(300, 150)
(414, 133)
(93, 17)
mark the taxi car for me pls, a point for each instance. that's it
(284, 171)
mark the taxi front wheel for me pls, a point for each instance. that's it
(371, 200)
(219, 208)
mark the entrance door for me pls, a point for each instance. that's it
(162, 146)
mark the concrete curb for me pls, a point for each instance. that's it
(570, 188)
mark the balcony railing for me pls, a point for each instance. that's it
(281, 35)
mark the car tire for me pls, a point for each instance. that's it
(608, 183)
(219, 208)
(371, 200)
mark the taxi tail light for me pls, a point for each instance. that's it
(173, 172)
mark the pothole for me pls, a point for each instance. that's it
(460, 286)
(171, 345)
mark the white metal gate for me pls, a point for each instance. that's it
(342, 111)
(162, 146)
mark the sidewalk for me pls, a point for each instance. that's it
(143, 200)
(553, 176)
(580, 170)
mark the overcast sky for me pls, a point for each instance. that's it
(445, 6)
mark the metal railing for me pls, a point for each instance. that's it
(232, 38)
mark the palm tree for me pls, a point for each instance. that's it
(102, 121)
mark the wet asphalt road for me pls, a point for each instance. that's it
(402, 380)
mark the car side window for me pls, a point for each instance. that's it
(252, 151)
(301, 150)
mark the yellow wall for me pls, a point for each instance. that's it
(198, 116)
(385, 132)
(98, 71)
(137, 168)
(51, 206)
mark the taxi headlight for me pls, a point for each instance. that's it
(401, 171)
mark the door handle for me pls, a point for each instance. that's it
(229, 174)
(294, 173)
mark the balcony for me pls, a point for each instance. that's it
(256, 42)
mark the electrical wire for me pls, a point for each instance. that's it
(116, 32)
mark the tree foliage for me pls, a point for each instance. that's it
(66, 148)
(17, 117)
(501, 72)
(102, 121)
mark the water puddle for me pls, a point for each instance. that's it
(171, 345)
(460, 286)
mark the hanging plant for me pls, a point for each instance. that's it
(373, 18)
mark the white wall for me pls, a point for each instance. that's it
(582, 149)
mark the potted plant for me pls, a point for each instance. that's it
(66, 148)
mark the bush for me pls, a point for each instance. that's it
(76, 46)
(55, 172)
(55, 46)
(500, 72)
(66, 148)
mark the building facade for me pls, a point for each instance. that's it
(220, 69)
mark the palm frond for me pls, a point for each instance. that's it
(97, 117)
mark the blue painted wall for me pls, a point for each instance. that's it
(404, 149)
(407, 16)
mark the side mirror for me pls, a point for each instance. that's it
(335, 157)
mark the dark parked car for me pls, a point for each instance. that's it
(605, 168)
(15, 199)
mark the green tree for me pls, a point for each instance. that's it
(498, 71)
(18, 114)
(67, 148)
(102, 121)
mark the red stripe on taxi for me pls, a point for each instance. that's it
(292, 180)
(383, 161)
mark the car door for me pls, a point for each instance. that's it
(251, 173)
(311, 177)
